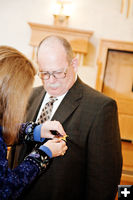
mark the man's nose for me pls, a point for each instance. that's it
(52, 79)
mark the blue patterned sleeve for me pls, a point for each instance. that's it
(30, 131)
(13, 182)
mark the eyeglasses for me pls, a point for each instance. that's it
(55, 74)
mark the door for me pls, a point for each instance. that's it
(118, 84)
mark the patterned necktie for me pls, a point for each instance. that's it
(46, 111)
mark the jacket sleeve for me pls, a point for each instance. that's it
(26, 134)
(104, 158)
(13, 182)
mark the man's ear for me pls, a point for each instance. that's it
(74, 63)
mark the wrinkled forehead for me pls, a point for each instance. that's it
(52, 58)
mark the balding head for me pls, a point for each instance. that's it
(52, 42)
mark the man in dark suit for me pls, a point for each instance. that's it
(91, 168)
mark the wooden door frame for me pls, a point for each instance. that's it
(104, 47)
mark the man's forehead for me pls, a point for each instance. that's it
(53, 68)
(52, 61)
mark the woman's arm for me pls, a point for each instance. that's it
(12, 182)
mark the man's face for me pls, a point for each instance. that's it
(55, 60)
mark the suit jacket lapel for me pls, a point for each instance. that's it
(69, 103)
(35, 101)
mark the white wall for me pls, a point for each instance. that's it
(101, 16)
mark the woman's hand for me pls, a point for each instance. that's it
(51, 125)
(57, 146)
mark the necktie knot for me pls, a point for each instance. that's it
(52, 99)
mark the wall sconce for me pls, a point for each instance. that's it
(61, 12)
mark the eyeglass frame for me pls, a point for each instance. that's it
(52, 74)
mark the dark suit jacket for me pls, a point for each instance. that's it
(91, 168)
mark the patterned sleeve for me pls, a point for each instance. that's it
(13, 182)
(26, 132)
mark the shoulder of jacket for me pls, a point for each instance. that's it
(92, 94)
